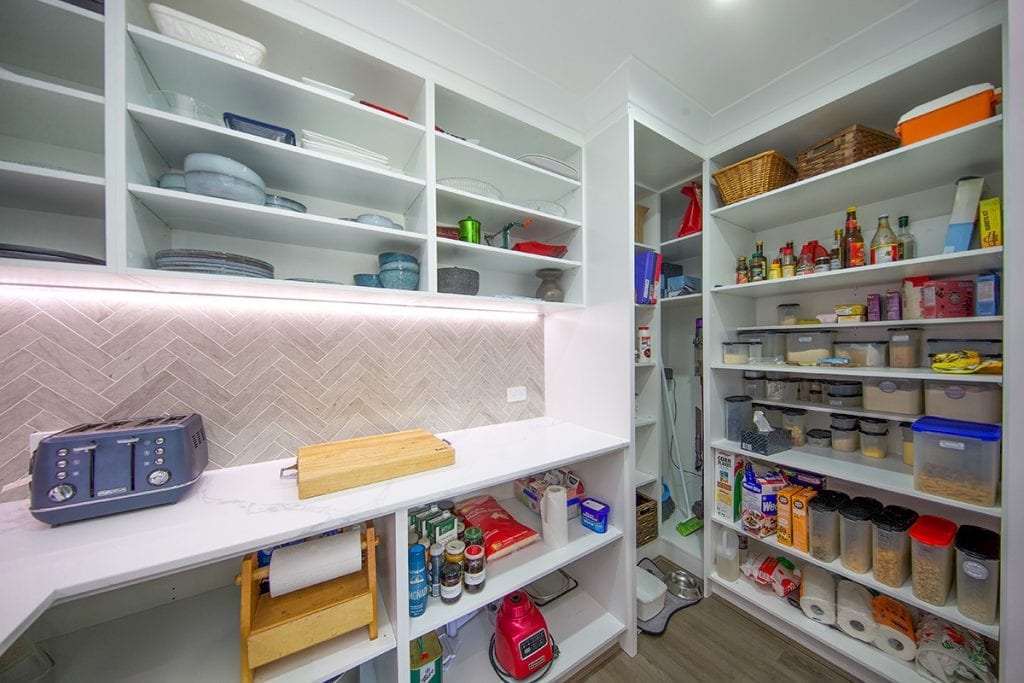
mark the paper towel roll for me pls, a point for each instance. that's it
(895, 628)
(853, 611)
(554, 516)
(895, 643)
(818, 594)
(306, 564)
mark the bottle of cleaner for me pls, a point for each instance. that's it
(727, 555)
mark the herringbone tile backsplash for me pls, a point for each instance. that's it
(266, 377)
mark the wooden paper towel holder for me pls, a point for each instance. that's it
(274, 627)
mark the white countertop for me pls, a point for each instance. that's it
(233, 511)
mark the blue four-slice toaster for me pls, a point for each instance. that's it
(100, 469)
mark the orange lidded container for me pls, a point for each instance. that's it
(949, 112)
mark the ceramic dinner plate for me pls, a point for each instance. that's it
(551, 164)
(334, 90)
(22, 251)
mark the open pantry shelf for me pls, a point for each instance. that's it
(890, 373)
(904, 593)
(682, 247)
(644, 478)
(42, 189)
(822, 408)
(454, 205)
(914, 322)
(484, 257)
(887, 474)
(972, 150)
(673, 301)
(54, 39)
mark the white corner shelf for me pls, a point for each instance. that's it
(972, 150)
(904, 593)
(912, 322)
(640, 246)
(486, 258)
(885, 373)
(939, 265)
(517, 569)
(682, 247)
(823, 408)
(54, 37)
(52, 115)
(23, 186)
(644, 478)
(887, 474)
(453, 205)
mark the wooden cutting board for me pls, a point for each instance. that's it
(341, 465)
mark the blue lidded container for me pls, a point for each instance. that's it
(957, 460)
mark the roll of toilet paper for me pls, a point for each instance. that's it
(554, 516)
(853, 611)
(818, 594)
(306, 564)
(895, 628)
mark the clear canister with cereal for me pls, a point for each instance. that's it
(823, 524)
(931, 558)
(855, 532)
(977, 573)
(795, 420)
(891, 545)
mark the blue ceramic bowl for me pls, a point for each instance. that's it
(400, 279)
(395, 256)
(367, 280)
(401, 265)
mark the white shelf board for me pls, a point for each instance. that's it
(823, 408)
(484, 257)
(514, 571)
(692, 546)
(203, 632)
(640, 246)
(644, 307)
(682, 247)
(887, 474)
(644, 478)
(682, 300)
(237, 219)
(454, 205)
(644, 421)
(579, 625)
(885, 373)
(42, 189)
(231, 85)
(745, 594)
(515, 179)
(282, 167)
(915, 322)
(972, 150)
(54, 37)
(646, 364)
(904, 593)
(51, 114)
(244, 508)
(960, 263)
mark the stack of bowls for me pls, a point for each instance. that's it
(217, 176)
(398, 270)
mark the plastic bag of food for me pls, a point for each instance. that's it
(502, 533)
(777, 572)
(951, 654)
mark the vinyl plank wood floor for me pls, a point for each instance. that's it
(712, 641)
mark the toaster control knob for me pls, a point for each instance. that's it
(61, 492)
(158, 477)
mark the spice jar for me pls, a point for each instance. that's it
(795, 420)
(977, 573)
(855, 533)
(931, 558)
(455, 552)
(473, 536)
(475, 574)
(891, 545)
(436, 562)
(823, 524)
(451, 583)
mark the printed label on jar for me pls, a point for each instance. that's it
(901, 337)
(805, 340)
(952, 445)
(955, 392)
(975, 570)
(451, 591)
(887, 386)
(476, 578)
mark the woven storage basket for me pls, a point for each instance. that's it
(646, 519)
(756, 175)
(840, 149)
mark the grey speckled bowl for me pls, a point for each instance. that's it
(458, 281)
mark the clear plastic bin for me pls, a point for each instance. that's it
(789, 314)
(845, 440)
(905, 347)
(795, 420)
(773, 345)
(754, 384)
(823, 524)
(775, 387)
(739, 415)
(977, 573)
(735, 353)
(902, 396)
(855, 533)
(891, 545)
(874, 445)
(957, 460)
(807, 348)
(964, 401)
(791, 389)
(931, 558)
(863, 354)
(855, 401)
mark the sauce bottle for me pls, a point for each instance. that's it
(905, 240)
(853, 241)
(742, 271)
(884, 245)
(835, 256)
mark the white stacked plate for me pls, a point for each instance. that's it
(318, 142)
(212, 262)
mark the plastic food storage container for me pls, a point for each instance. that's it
(754, 383)
(969, 402)
(791, 389)
(874, 425)
(773, 345)
(957, 109)
(819, 438)
(823, 524)
(908, 442)
(650, 595)
(864, 354)
(931, 558)
(855, 532)
(789, 314)
(845, 388)
(844, 400)
(845, 440)
(735, 353)
(985, 347)
(902, 396)
(958, 460)
(775, 387)
(891, 545)
(904, 347)
(840, 421)
(739, 415)
(807, 348)
(774, 415)
(977, 573)
(795, 420)
(874, 445)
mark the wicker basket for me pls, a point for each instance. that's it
(756, 175)
(840, 149)
(646, 519)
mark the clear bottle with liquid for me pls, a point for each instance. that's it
(884, 246)
(905, 240)
(788, 262)
(727, 555)
(835, 256)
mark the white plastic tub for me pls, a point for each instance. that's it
(650, 595)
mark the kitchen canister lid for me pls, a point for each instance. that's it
(932, 530)
(895, 518)
(977, 543)
(828, 501)
(958, 428)
(754, 374)
(860, 509)
(794, 412)
(737, 399)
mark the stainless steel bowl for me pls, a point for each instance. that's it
(685, 585)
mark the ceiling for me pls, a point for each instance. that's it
(702, 47)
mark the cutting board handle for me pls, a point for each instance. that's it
(290, 472)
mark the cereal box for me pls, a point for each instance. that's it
(760, 501)
(784, 534)
(799, 515)
(728, 479)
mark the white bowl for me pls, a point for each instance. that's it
(223, 186)
(195, 31)
(215, 163)
(375, 219)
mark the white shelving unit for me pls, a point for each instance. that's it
(916, 180)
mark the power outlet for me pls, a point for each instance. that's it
(516, 394)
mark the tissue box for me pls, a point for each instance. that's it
(766, 443)
(530, 490)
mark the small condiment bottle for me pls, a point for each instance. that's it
(455, 552)
(775, 270)
(821, 264)
(451, 583)
(742, 271)
(434, 569)
(475, 573)
(473, 536)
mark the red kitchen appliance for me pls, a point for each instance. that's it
(522, 646)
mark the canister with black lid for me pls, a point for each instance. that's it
(855, 532)
(891, 545)
(977, 573)
(823, 524)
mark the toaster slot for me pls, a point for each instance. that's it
(112, 465)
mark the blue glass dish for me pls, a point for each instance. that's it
(259, 128)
